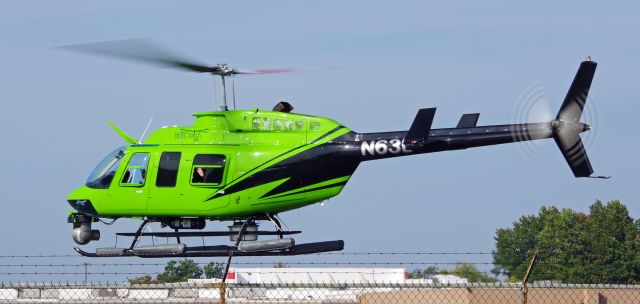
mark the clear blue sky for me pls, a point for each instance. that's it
(395, 57)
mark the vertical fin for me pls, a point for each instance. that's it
(568, 126)
(574, 152)
(421, 126)
(574, 102)
(468, 120)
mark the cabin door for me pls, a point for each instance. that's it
(207, 178)
(168, 190)
(132, 192)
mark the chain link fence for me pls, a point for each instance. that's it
(210, 292)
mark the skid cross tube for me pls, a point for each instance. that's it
(276, 222)
(138, 233)
(177, 236)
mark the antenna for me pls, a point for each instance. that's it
(145, 131)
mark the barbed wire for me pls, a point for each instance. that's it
(316, 254)
(274, 263)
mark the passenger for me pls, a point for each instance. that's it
(199, 175)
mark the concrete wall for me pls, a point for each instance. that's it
(504, 295)
(321, 293)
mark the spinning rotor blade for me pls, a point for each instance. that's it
(142, 51)
(145, 51)
(265, 71)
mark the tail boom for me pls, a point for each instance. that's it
(421, 138)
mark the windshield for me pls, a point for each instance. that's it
(102, 175)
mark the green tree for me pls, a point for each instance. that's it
(516, 245)
(472, 273)
(423, 273)
(213, 271)
(611, 239)
(180, 272)
(562, 244)
(280, 265)
(599, 247)
(147, 279)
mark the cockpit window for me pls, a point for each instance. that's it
(102, 175)
(136, 172)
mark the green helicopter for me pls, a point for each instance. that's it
(248, 166)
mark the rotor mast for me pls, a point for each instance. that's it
(223, 70)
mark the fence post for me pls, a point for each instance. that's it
(525, 280)
(85, 272)
(223, 283)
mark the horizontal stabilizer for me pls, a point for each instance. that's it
(421, 126)
(468, 120)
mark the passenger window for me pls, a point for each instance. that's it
(266, 124)
(136, 172)
(255, 123)
(314, 126)
(208, 169)
(288, 125)
(299, 125)
(168, 169)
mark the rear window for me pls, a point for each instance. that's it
(208, 169)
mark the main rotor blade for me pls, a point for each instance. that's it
(142, 51)
(264, 71)
(280, 71)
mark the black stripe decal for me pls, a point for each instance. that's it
(336, 129)
(289, 151)
(231, 184)
(309, 190)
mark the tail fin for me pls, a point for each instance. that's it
(568, 126)
(576, 98)
(419, 131)
(574, 153)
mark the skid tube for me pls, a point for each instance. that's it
(212, 251)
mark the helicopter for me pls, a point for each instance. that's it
(248, 166)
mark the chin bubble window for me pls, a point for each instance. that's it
(208, 169)
(136, 171)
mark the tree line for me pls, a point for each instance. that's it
(182, 271)
(602, 246)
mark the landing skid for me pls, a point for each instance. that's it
(204, 233)
(181, 250)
